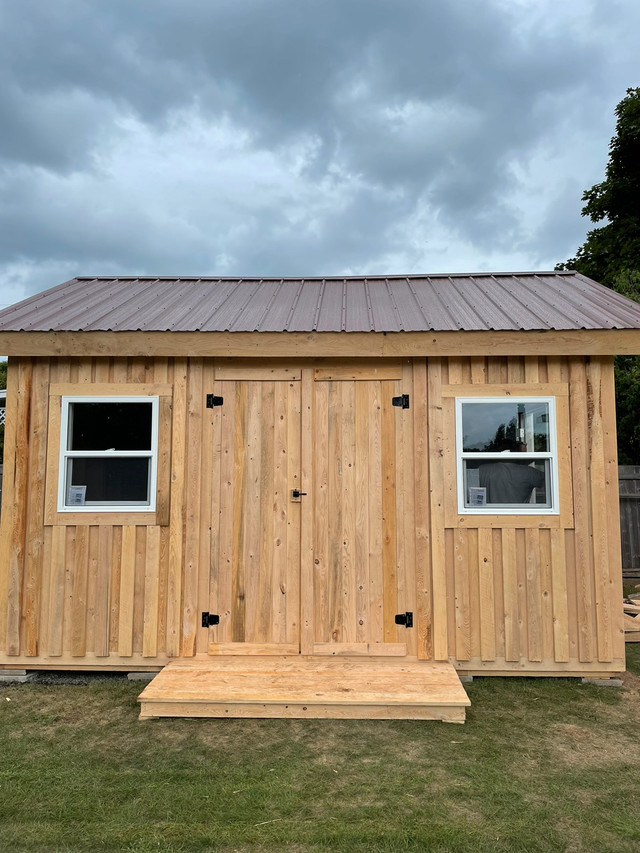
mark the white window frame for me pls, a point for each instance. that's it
(551, 456)
(65, 455)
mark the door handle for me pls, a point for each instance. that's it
(296, 493)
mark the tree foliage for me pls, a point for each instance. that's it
(611, 255)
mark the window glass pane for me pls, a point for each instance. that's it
(102, 426)
(507, 482)
(513, 426)
(120, 480)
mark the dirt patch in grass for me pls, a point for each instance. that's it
(578, 746)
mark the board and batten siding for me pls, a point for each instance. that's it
(498, 594)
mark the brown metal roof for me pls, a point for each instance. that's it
(474, 302)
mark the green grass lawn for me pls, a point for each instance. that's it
(542, 764)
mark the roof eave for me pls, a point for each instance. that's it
(322, 344)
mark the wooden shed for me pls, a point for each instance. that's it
(314, 497)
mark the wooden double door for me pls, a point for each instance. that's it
(305, 550)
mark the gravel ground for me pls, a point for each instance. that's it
(69, 677)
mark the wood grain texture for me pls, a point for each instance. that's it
(424, 615)
(438, 556)
(176, 520)
(516, 595)
(322, 344)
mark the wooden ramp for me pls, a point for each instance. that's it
(295, 686)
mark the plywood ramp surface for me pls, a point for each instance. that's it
(306, 687)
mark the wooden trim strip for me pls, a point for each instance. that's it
(515, 389)
(109, 389)
(252, 372)
(357, 372)
(323, 344)
(368, 649)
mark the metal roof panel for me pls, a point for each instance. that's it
(473, 302)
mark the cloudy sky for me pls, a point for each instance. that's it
(292, 137)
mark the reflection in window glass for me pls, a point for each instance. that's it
(507, 482)
(514, 426)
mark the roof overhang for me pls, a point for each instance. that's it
(322, 344)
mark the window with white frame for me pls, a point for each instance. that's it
(506, 455)
(108, 454)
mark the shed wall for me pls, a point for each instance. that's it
(498, 595)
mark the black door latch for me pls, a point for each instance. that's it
(296, 493)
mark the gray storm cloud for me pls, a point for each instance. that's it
(297, 137)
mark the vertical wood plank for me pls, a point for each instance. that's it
(264, 627)
(114, 587)
(163, 585)
(298, 466)
(127, 588)
(461, 581)
(581, 464)
(515, 369)
(510, 589)
(390, 522)
(56, 591)
(192, 521)
(531, 370)
(331, 618)
(455, 370)
(222, 579)
(249, 573)
(17, 484)
(559, 594)
(209, 472)
(151, 589)
(102, 602)
(407, 510)
(176, 525)
(138, 589)
(478, 370)
(487, 597)
(309, 509)
(361, 551)
(614, 560)
(240, 493)
(299, 552)
(35, 531)
(422, 533)
(546, 591)
(602, 577)
(436, 441)
(375, 513)
(79, 603)
(280, 590)
(69, 562)
(348, 516)
(534, 594)
(498, 586)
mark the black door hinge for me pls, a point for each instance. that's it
(405, 619)
(213, 401)
(402, 401)
(210, 619)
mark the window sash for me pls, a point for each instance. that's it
(552, 506)
(67, 455)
